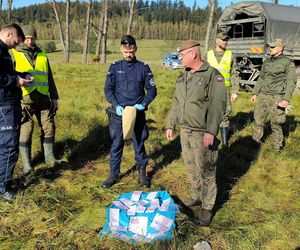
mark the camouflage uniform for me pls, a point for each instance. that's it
(198, 106)
(277, 82)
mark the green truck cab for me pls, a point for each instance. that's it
(250, 26)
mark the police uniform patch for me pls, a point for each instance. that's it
(220, 78)
(152, 82)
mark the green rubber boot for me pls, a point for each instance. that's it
(49, 155)
(26, 159)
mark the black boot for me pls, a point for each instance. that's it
(205, 218)
(143, 180)
(110, 181)
(224, 135)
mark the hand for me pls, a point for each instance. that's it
(54, 105)
(283, 104)
(233, 97)
(208, 139)
(169, 134)
(253, 98)
(21, 82)
(29, 77)
(139, 107)
(119, 110)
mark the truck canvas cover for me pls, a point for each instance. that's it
(281, 21)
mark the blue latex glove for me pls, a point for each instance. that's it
(119, 110)
(139, 107)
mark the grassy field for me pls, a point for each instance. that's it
(258, 204)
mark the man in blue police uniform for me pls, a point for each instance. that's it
(129, 82)
(10, 106)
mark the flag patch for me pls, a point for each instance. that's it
(220, 79)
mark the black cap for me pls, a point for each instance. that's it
(128, 40)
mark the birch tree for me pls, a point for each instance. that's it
(87, 31)
(130, 19)
(99, 33)
(104, 35)
(9, 6)
(212, 4)
(64, 40)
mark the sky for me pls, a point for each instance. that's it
(200, 3)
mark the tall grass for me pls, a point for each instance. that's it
(258, 203)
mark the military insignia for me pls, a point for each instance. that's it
(220, 78)
(152, 82)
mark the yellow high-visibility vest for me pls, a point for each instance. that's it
(224, 66)
(39, 72)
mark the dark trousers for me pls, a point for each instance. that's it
(140, 135)
(10, 119)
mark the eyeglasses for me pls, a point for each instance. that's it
(182, 55)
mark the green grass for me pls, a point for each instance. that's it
(258, 204)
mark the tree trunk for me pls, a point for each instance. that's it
(9, 5)
(100, 32)
(67, 44)
(104, 35)
(210, 24)
(276, 1)
(61, 34)
(87, 31)
(130, 20)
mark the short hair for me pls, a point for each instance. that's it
(15, 27)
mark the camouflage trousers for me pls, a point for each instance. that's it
(201, 164)
(225, 121)
(266, 105)
(36, 104)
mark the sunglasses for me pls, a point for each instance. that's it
(127, 42)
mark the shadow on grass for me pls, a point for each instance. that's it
(234, 162)
(94, 145)
(169, 153)
(240, 121)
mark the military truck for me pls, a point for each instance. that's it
(250, 26)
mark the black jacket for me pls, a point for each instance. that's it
(10, 94)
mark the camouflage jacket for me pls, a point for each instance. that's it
(277, 77)
(199, 101)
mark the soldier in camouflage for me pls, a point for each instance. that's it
(198, 107)
(272, 93)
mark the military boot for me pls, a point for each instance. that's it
(110, 181)
(26, 159)
(205, 218)
(224, 135)
(49, 156)
(143, 180)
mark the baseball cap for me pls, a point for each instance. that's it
(276, 42)
(222, 36)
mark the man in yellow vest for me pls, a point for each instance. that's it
(224, 60)
(39, 98)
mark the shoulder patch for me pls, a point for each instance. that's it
(152, 82)
(220, 78)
